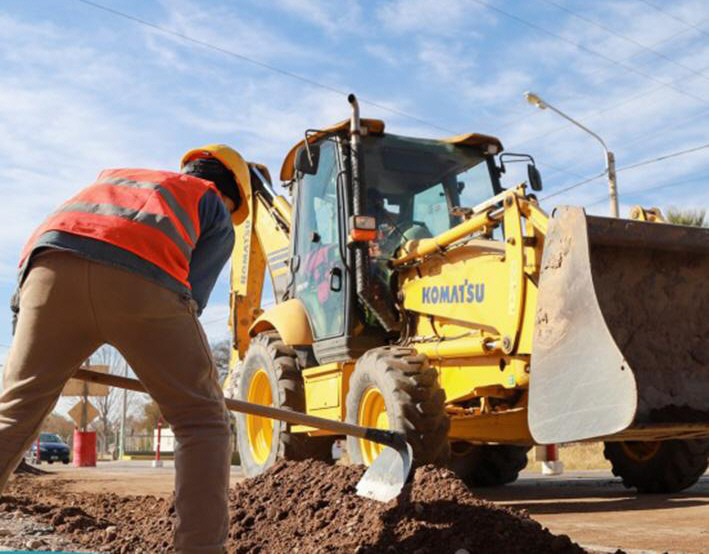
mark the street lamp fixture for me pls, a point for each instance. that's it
(536, 100)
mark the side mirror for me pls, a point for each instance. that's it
(534, 177)
(307, 159)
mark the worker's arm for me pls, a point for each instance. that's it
(213, 248)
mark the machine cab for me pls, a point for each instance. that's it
(409, 186)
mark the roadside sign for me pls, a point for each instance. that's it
(76, 412)
(75, 387)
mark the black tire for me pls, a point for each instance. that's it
(487, 465)
(414, 402)
(268, 352)
(658, 467)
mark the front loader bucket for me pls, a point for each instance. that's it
(622, 328)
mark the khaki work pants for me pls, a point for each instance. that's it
(69, 306)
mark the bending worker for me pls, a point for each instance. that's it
(131, 261)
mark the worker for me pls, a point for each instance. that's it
(131, 261)
(393, 229)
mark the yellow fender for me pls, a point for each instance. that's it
(290, 319)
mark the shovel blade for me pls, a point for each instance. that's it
(385, 478)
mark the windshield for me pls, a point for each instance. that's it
(412, 184)
(49, 437)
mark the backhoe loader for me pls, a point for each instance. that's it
(414, 292)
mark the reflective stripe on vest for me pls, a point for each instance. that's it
(166, 195)
(153, 214)
(160, 222)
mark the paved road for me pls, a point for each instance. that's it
(592, 507)
(595, 509)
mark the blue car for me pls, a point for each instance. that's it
(51, 449)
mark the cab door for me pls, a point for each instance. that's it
(319, 273)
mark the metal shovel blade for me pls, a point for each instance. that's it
(387, 475)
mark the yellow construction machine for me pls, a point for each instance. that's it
(413, 292)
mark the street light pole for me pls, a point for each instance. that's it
(535, 100)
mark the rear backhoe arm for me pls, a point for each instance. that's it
(262, 240)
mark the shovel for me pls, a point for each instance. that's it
(382, 481)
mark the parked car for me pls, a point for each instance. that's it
(51, 449)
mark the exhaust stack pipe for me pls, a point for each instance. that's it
(376, 304)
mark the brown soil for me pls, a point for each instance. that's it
(300, 507)
(655, 304)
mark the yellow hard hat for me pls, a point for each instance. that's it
(235, 163)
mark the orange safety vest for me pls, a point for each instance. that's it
(152, 214)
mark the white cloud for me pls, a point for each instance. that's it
(226, 28)
(332, 17)
(444, 60)
(423, 16)
(74, 102)
(384, 54)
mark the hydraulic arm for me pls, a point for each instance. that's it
(262, 240)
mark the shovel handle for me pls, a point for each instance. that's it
(381, 436)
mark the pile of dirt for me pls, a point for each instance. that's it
(300, 507)
(655, 304)
(312, 507)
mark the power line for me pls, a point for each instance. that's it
(575, 185)
(623, 37)
(335, 90)
(601, 111)
(637, 140)
(583, 49)
(624, 101)
(263, 65)
(636, 192)
(664, 157)
(673, 16)
(628, 167)
(642, 137)
(284, 72)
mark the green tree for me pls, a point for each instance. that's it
(692, 217)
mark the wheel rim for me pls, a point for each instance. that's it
(640, 451)
(260, 429)
(372, 413)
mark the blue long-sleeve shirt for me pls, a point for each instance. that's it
(211, 252)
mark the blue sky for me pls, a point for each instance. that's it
(83, 89)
